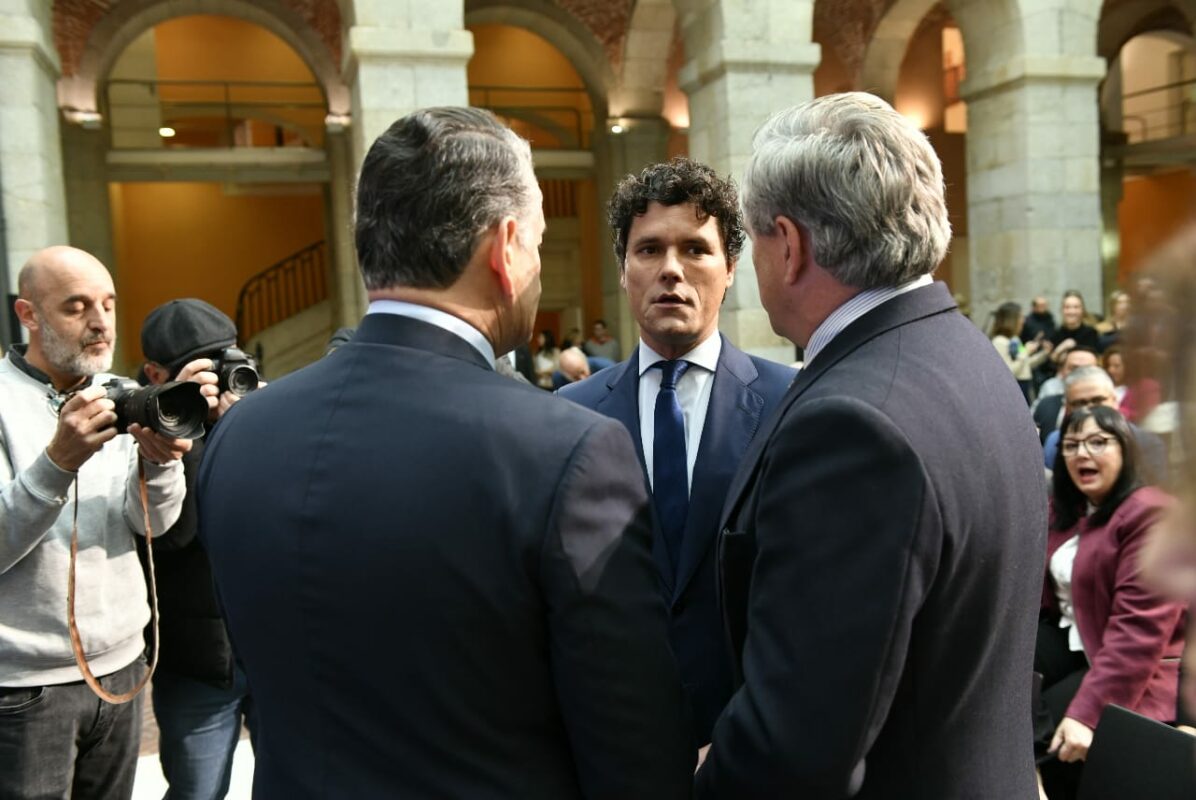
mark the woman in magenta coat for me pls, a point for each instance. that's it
(1104, 635)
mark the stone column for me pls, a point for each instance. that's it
(643, 141)
(31, 187)
(1034, 200)
(346, 290)
(89, 213)
(746, 60)
(400, 59)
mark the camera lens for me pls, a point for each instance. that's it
(242, 380)
(172, 409)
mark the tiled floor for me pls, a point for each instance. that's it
(150, 785)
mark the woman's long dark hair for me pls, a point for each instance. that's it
(1005, 320)
(549, 341)
(1071, 503)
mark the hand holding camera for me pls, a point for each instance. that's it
(85, 422)
(223, 380)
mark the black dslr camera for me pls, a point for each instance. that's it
(176, 409)
(237, 371)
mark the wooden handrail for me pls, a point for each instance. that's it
(282, 290)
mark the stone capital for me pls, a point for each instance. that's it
(725, 55)
(1033, 69)
(19, 33)
(406, 45)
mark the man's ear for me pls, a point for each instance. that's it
(502, 244)
(798, 253)
(623, 274)
(731, 266)
(156, 373)
(25, 314)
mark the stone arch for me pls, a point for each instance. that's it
(649, 43)
(886, 50)
(129, 19)
(560, 29)
(1121, 21)
(993, 32)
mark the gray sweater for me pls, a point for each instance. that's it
(36, 506)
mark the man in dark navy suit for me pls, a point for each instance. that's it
(883, 542)
(429, 602)
(678, 232)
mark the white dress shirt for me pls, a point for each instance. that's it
(1062, 563)
(693, 395)
(440, 319)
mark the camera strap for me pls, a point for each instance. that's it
(76, 640)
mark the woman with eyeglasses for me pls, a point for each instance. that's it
(1104, 636)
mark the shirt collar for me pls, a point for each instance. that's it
(705, 355)
(440, 319)
(853, 309)
(16, 354)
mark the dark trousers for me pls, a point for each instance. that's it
(1062, 671)
(62, 741)
(199, 726)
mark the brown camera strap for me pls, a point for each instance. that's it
(76, 641)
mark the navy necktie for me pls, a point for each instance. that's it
(670, 480)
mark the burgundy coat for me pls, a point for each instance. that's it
(1132, 636)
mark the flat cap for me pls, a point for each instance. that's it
(178, 331)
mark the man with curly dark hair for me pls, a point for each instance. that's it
(689, 398)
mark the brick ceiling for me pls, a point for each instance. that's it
(74, 21)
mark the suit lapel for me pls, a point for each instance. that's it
(732, 418)
(623, 403)
(901, 310)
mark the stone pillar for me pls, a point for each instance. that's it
(346, 290)
(31, 187)
(89, 213)
(644, 141)
(397, 61)
(1034, 205)
(746, 60)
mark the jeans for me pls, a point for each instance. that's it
(199, 726)
(63, 741)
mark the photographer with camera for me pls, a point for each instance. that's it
(65, 470)
(200, 695)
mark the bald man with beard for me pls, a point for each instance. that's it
(60, 455)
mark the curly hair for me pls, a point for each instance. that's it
(673, 183)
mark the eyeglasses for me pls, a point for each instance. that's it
(1095, 445)
(1088, 402)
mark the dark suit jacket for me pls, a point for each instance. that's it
(429, 602)
(745, 391)
(1046, 415)
(1133, 637)
(880, 572)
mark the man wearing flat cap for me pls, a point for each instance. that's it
(200, 695)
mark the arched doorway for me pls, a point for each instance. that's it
(545, 99)
(217, 182)
(1148, 121)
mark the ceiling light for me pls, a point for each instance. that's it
(616, 128)
(166, 132)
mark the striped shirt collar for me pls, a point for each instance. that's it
(853, 309)
(440, 319)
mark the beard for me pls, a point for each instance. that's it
(71, 357)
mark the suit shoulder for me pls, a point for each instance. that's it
(773, 377)
(590, 391)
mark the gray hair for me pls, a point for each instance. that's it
(1085, 374)
(430, 187)
(861, 179)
